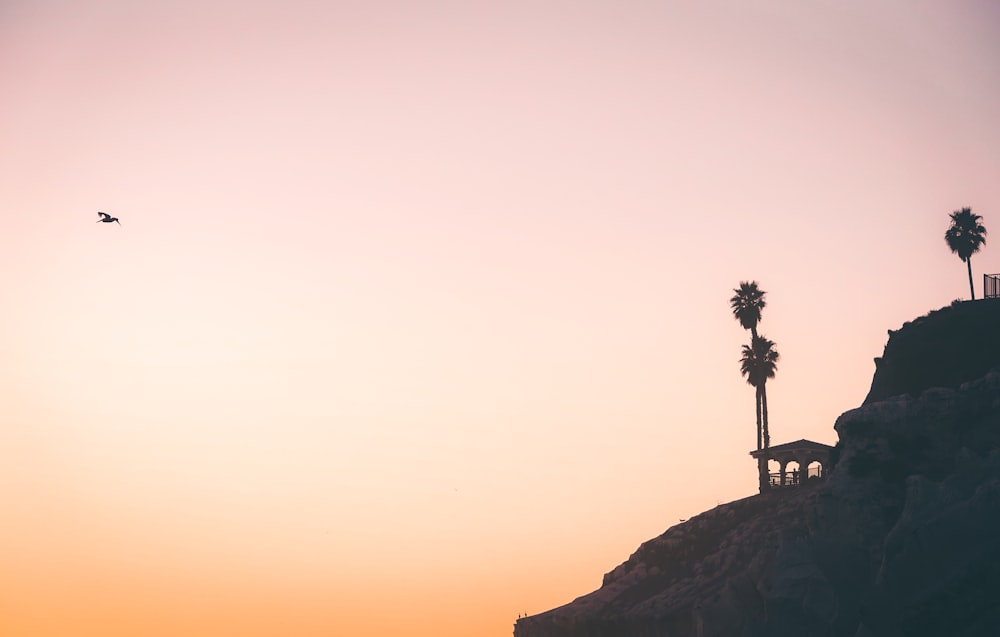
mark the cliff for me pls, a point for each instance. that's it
(902, 539)
(947, 347)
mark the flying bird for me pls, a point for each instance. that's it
(106, 218)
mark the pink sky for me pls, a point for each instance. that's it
(417, 318)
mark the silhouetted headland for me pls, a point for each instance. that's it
(902, 538)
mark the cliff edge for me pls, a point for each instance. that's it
(902, 538)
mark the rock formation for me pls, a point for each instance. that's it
(902, 539)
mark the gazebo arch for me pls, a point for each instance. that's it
(803, 452)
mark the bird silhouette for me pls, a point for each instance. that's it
(106, 218)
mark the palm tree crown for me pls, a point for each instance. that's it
(965, 236)
(759, 361)
(747, 304)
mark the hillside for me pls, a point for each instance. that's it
(902, 539)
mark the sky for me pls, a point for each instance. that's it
(416, 319)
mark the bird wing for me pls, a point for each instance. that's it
(104, 215)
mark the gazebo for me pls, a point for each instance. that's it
(804, 452)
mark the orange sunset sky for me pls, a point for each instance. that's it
(417, 316)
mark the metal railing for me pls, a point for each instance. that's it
(795, 478)
(991, 286)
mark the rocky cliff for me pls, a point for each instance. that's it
(902, 539)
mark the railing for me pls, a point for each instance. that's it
(991, 286)
(795, 478)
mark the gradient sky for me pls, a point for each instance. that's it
(417, 318)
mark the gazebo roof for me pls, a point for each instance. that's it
(798, 445)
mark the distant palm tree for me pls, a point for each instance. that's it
(747, 304)
(758, 363)
(965, 236)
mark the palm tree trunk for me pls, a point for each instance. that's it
(763, 409)
(759, 429)
(972, 290)
(762, 473)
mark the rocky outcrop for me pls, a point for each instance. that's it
(950, 346)
(903, 538)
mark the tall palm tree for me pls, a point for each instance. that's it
(965, 236)
(747, 304)
(758, 363)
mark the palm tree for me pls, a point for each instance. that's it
(965, 236)
(747, 304)
(758, 363)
